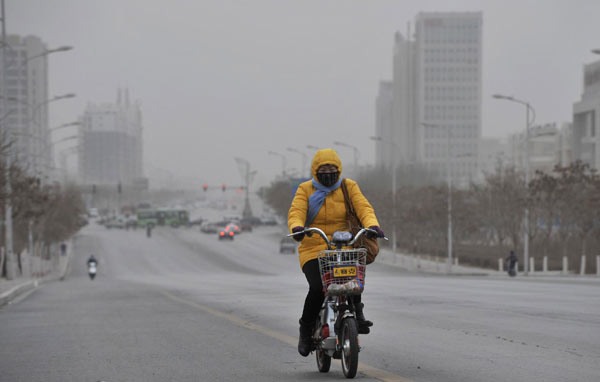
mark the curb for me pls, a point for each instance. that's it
(385, 260)
(8, 296)
(11, 294)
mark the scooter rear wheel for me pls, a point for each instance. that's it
(323, 361)
(349, 341)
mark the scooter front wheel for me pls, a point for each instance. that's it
(349, 341)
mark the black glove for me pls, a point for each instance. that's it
(372, 235)
(300, 236)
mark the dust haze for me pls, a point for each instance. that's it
(224, 79)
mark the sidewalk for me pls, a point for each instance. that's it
(429, 264)
(9, 290)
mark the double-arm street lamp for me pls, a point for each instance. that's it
(313, 147)
(304, 159)
(394, 169)
(449, 157)
(528, 123)
(283, 161)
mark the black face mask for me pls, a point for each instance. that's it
(328, 179)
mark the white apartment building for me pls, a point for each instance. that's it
(26, 104)
(543, 140)
(436, 96)
(111, 143)
(449, 58)
(586, 112)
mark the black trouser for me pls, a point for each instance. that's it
(314, 298)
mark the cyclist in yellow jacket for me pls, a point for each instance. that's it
(319, 203)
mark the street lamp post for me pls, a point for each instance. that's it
(304, 159)
(449, 157)
(244, 167)
(394, 171)
(283, 161)
(528, 124)
(313, 147)
(355, 152)
(8, 244)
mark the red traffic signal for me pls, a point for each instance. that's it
(223, 187)
(204, 187)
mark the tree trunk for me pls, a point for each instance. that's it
(2, 273)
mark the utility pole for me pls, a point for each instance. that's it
(244, 167)
(10, 271)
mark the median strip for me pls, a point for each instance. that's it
(371, 371)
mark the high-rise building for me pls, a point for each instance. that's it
(111, 143)
(586, 113)
(26, 101)
(449, 55)
(437, 94)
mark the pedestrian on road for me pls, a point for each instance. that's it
(511, 261)
(319, 203)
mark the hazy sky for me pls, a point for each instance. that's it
(221, 78)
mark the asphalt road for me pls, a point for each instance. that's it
(182, 306)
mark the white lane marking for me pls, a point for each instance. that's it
(371, 371)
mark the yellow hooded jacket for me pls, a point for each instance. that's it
(332, 215)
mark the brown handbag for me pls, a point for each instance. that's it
(371, 245)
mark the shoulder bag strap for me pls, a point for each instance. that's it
(349, 207)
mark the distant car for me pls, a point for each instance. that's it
(269, 220)
(234, 227)
(197, 221)
(131, 222)
(227, 233)
(252, 220)
(287, 245)
(207, 227)
(118, 222)
(245, 226)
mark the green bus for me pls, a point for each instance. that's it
(163, 217)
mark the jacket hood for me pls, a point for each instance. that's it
(325, 156)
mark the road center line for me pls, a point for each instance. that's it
(371, 371)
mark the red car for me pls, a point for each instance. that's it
(228, 232)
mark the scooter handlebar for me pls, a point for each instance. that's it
(309, 231)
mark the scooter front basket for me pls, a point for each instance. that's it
(343, 271)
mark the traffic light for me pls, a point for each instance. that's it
(119, 188)
(223, 187)
(204, 187)
(93, 188)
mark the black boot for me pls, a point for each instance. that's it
(363, 323)
(305, 342)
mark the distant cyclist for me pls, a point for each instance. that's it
(91, 260)
(319, 203)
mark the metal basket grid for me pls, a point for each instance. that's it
(334, 282)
